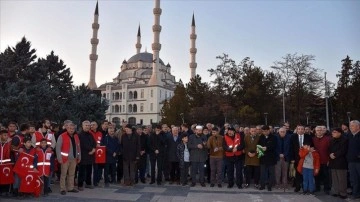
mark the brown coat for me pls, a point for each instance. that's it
(250, 146)
(212, 143)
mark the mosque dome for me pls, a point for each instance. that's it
(144, 57)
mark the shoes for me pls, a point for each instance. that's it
(158, 183)
(334, 195)
(184, 184)
(152, 182)
(269, 189)
(107, 185)
(203, 184)
(305, 192)
(239, 186)
(247, 186)
(49, 190)
(96, 185)
(63, 192)
(256, 186)
(230, 186)
(89, 186)
(193, 184)
(262, 188)
(171, 182)
(212, 185)
(74, 191)
(296, 189)
(143, 181)
(81, 188)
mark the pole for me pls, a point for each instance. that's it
(283, 95)
(265, 114)
(327, 104)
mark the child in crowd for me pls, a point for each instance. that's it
(45, 158)
(309, 166)
(184, 158)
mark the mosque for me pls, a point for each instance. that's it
(136, 95)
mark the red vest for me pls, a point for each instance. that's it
(65, 147)
(232, 143)
(97, 136)
(39, 136)
(5, 153)
(43, 165)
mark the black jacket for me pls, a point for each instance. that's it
(172, 148)
(338, 146)
(87, 143)
(157, 142)
(270, 155)
(295, 146)
(130, 146)
(353, 154)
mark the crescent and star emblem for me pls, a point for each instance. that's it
(99, 152)
(6, 169)
(26, 179)
(24, 162)
(38, 183)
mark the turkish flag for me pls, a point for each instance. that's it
(23, 164)
(6, 173)
(100, 154)
(31, 183)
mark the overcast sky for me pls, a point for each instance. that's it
(265, 31)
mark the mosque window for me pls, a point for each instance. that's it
(112, 109)
(119, 108)
(130, 95)
(142, 93)
(135, 95)
(120, 96)
(142, 107)
(130, 109)
(116, 108)
(117, 96)
(134, 108)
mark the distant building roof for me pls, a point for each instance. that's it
(144, 57)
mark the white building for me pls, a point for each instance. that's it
(137, 93)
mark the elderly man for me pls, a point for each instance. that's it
(69, 155)
(252, 162)
(322, 144)
(130, 144)
(353, 157)
(283, 157)
(173, 143)
(198, 155)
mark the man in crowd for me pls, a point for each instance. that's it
(252, 162)
(172, 144)
(321, 145)
(87, 146)
(353, 157)
(157, 151)
(97, 136)
(233, 146)
(69, 155)
(141, 164)
(215, 146)
(268, 143)
(130, 144)
(297, 141)
(283, 157)
(198, 155)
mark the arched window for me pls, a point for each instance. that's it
(135, 95)
(132, 120)
(134, 108)
(113, 96)
(119, 108)
(117, 96)
(130, 108)
(130, 95)
(120, 96)
(104, 95)
(112, 108)
(116, 108)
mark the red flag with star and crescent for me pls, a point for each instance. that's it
(23, 164)
(31, 183)
(100, 154)
(6, 173)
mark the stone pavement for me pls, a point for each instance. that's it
(175, 193)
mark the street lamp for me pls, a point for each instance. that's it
(265, 114)
(182, 117)
(307, 117)
(348, 115)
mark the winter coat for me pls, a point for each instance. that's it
(196, 154)
(172, 148)
(302, 153)
(338, 146)
(130, 146)
(250, 146)
(270, 155)
(287, 145)
(157, 142)
(87, 144)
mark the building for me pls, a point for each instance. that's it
(136, 95)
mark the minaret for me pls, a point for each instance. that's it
(94, 42)
(156, 46)
(138, 43)
(193, 49)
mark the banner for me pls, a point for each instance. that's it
(31, 183)
(100, 154)
(6, 173)
(23, 164)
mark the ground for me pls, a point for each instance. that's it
(175, 193)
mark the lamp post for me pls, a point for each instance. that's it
(348, 115)
(182, 117)
(307, 117)
(266, 114)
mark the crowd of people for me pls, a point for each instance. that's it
(263, 157)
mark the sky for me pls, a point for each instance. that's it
(265, 31)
